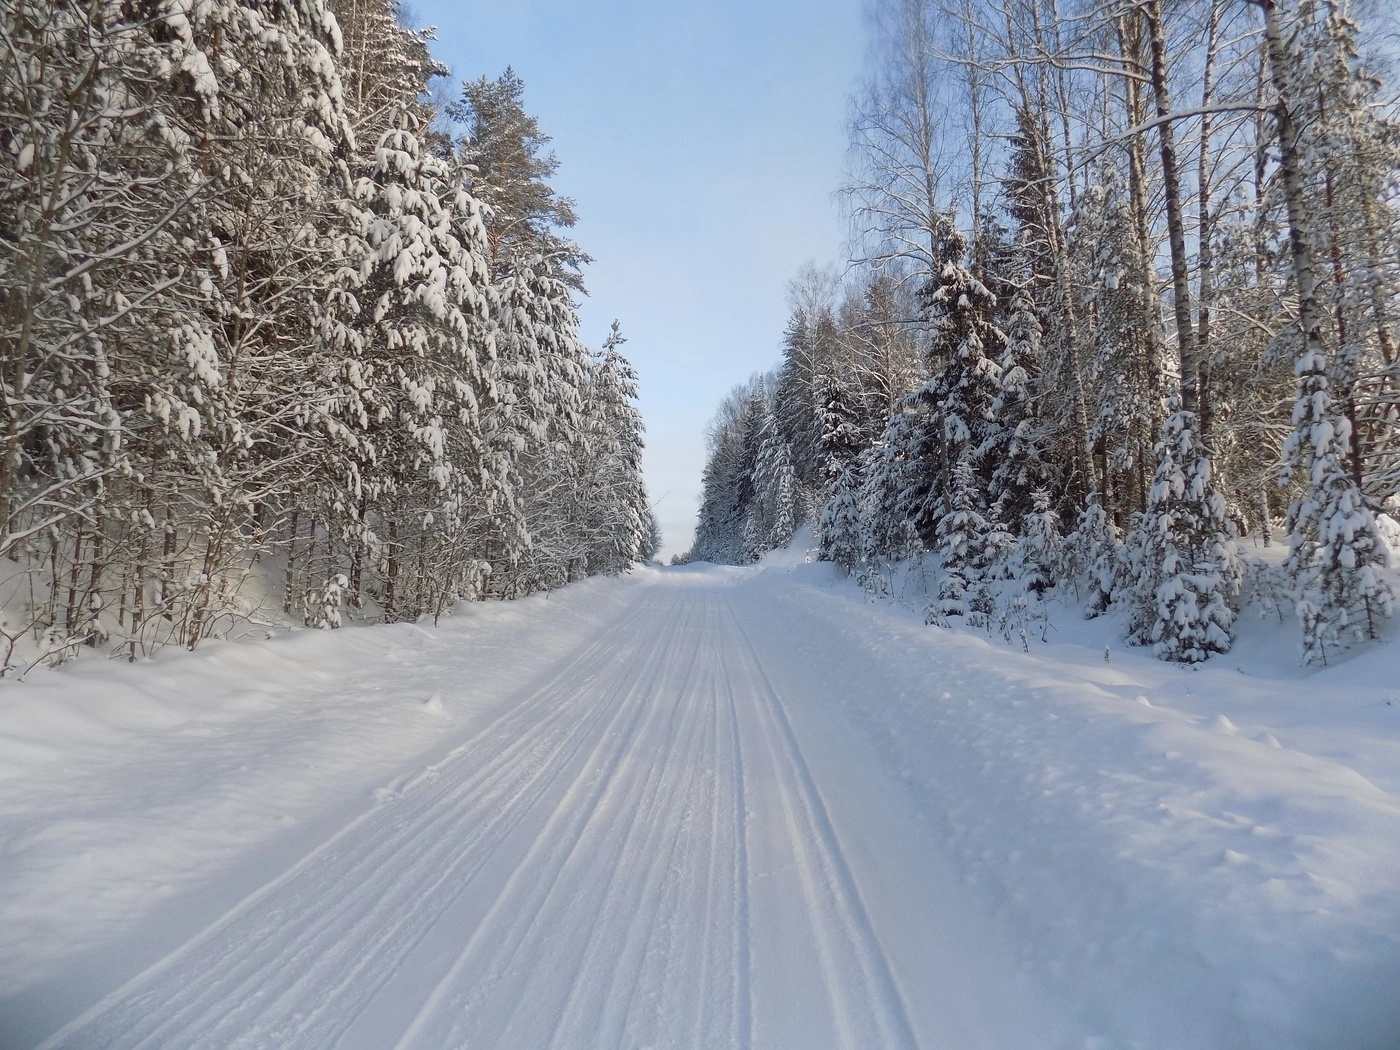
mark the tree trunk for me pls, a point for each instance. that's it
(1171, 199)
(1294, 197)
(1205, 234)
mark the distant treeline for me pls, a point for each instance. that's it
(1124, 287)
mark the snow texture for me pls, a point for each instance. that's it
(710, 807)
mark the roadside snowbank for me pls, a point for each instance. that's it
(1203, 856)
(138, 799)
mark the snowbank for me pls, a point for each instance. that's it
(1200, 856)
(136, 799)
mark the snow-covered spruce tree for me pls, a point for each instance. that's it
(1037, 558)
(811, 346)
(1040, 265)
(964, 552)
(897, 484)
(564, 449)
(614, 495)
(1093, 554)
(197, 144)
(280, 130)
(964, 385)
(385, 65)
(540, 373)
(752, 499)
(651, 545)
(776, 509)
(1011, 447)
(841, 438)
(1351, 140)
(1251, 316)
(727, 483)
(1335, 553)
(1188, 578)
(840, 530)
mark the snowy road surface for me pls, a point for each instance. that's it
(703, 807)
(660, 847)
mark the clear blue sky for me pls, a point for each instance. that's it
(702, 142)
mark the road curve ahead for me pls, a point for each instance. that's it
(675, 842)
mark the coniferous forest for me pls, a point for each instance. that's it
(275, 304)
(1123, 291)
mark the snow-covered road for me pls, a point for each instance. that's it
(658, 848)
(703, 807)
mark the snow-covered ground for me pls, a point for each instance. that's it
(702, 807)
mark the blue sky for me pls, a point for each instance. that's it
(702, 143)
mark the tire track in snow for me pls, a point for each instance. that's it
(537, 876)
(689, 953)
(619, 909)
(741, 1017)
(221, 975)
(835, 895)
(579, 873)
(634, 899)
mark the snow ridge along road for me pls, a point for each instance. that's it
(639, 854)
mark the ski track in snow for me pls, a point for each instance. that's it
(637, 855)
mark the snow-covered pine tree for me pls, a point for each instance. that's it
(504, 148)
(411, 393)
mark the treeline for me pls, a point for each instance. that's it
(1124, 289)
(266, 308)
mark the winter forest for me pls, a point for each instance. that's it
(275, 302)
(1124, 291)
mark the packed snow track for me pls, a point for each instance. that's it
(662, 846)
